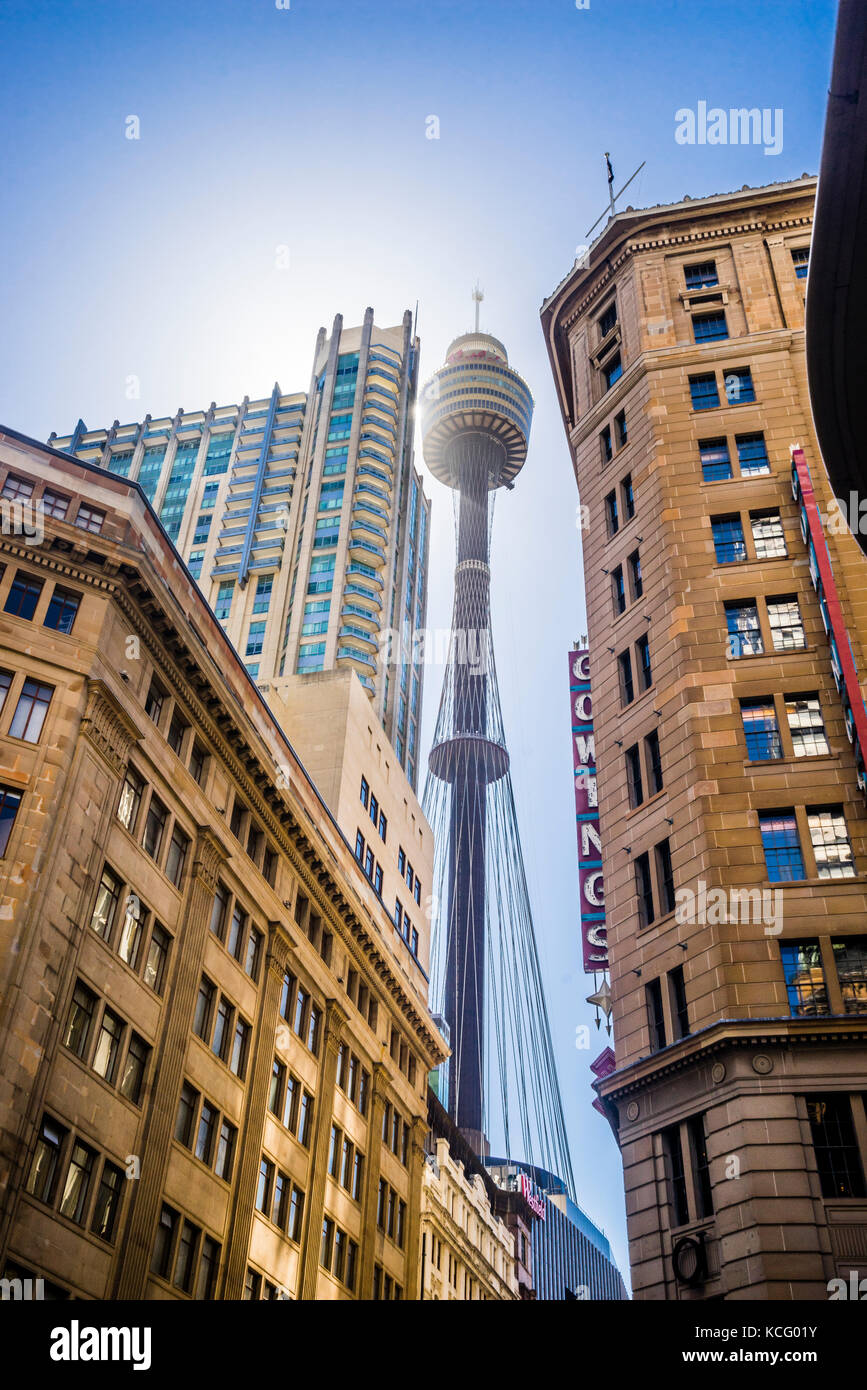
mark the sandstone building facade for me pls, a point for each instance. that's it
(215, 1050)
(732, 811)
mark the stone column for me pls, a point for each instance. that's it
(168, 1066)
(253, 1120)
(335, 1018)
(378, 1100)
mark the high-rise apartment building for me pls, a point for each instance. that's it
(302, 516)
(725, 627)
(215, 1050)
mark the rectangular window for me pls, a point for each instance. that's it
(42, 1178)
(783, 858)
(787, 628)
(163, 1245)
(801, 261)
(761, 730)
(62, 608)
(804, 974)
(198, 761)
(710, 328)
(612, 520)
(675, 1175)
(665, 876)
(222, 1029)
(179, 847)
(744, 632)
(704, 391)
(653, 763)
(134, 1068)
(715, 462)
(105, 907)
(700, 1167)
(620, 427)
(79, 1020)
(768, 537)
(10, 800)
(305, 1120)
(633, 776)
(636, 583)
(30, 712)
(108, 1199)
(365, 792)
(627, 497)
(618, 589)
(205, 1135)
(204, 1009)
(850, 959)
(89, 518)
(627, 688)
(156, 698)
(186, 1115)
(739, 385)
(108, 1041)
(262, 597)
(804, 714)
(296, 1214)
(728, 539)
(752, 454)
(157, 956)
(612, 370)
(263, 1186)
(607, 320)
(73, 1202)
(645, 672)
(23, 596)
(830, 842)
(130, 799)
(17, 489)
(655, 1014)
(701, 276)
(175, 736)
(677, 994)
(836, 1146)
(644, 889)
(218, 912)
(155, 824)
(606, 445)
(278, 1205)
(209, 1262)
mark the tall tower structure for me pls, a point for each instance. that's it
(476, 416)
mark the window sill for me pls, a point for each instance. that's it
(774, 652)
(650, 801)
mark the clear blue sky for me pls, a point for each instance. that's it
(305, 127)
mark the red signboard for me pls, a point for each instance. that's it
(592, 892)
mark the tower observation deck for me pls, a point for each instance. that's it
(476, 414)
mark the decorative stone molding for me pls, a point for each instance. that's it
(209, 858)
(108, 727)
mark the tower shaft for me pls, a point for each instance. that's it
(472, 456)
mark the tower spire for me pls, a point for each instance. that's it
(478, 296)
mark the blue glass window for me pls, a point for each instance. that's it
(805, 978)
(728, 539)
(744, 633)
(612, 371)
(704, 391)
(709, 328)
(262, 598)
(715, 462)
(761, 730)
(701, 276)
(783, 857)
(203, 529)
(801, 261)
(223, 606)
(256, 638)
(739, 385)
(151, 467)
(752, 454)
(219, 452)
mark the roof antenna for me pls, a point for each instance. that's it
(478, 296)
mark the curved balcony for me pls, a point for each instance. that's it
(358, 591)
(367, 683)
(361, 503)
(366, 551)
(355, 610)
(365, 572)
(368, 530)
(358, 634)
(369, 452)
(374, 491)
(356, 658)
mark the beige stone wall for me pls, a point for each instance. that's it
(469, 1253)
(765, 1240)
(139, 618)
